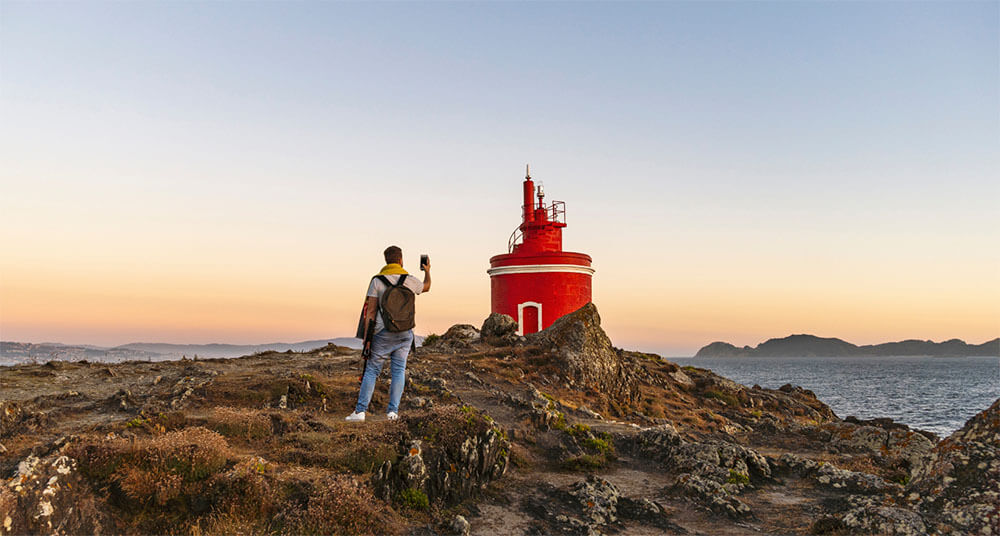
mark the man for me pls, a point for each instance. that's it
(386, 344)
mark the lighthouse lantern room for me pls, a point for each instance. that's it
(537, 282)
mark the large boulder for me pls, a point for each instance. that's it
(958, 488)
(458, 338)
(585, 355)
(500, 330)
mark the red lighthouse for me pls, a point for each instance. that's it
(536, 282)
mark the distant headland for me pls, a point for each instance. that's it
(813, 346)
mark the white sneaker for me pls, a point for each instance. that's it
(392, 416)
(356, 417)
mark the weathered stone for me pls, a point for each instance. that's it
(460, 526)
(957, 489)
(833, 477)
(458, 338)
(49, 496)
(462, 332)
(598, 500)
(719, 461)
(473, 378)
(449, 474)
(585, 355)
(889, 440)
(681, 378)
(500, 330)
(710, 494)
(874, 518)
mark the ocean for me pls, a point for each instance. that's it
(937, 394)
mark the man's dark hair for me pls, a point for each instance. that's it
(393, 255)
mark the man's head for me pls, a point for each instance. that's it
(393, 255)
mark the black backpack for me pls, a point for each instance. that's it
(396, 305)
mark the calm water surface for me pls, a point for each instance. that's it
(931, 393)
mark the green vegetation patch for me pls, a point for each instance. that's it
(600, 445)
(736, 477)
(725, 398)
(413, 499)
(586, 462)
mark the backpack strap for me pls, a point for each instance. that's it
(385, 280)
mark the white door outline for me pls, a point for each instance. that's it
(520, 315)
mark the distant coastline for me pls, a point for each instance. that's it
(12, 353)
(813, 346)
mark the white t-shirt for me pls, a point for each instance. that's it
(377, 287)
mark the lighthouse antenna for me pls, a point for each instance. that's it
(527, 171)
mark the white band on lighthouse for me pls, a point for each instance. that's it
(540, 268)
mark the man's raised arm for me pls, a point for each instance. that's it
(427, 276)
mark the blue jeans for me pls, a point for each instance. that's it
(386, 345)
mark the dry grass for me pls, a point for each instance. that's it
(342, 506)
(240, 423)
(173, 475)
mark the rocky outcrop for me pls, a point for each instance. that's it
(870, 516)
(958, 488)
(500, 330)
(450, 465)
(49, 496)
(594, 505)
(458, 338)
(898, 444)
(710, 494)
(719, 461)
(832, 477)
(710, 473)
(585, 356)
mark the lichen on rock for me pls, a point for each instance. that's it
(49, 496)
(958, 487)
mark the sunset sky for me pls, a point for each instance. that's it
(231, 172)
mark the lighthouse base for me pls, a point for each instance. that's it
(538, 289)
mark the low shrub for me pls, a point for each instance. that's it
(725, 398)
(586, 462)
(736, 477)
(413, 499)
(431, 339)
(600, 445)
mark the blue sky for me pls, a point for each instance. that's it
(781, 167)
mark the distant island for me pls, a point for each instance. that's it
(813, 346)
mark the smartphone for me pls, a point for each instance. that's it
(424, 261)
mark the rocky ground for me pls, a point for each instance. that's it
(557, 433)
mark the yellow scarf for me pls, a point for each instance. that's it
(393, 269)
